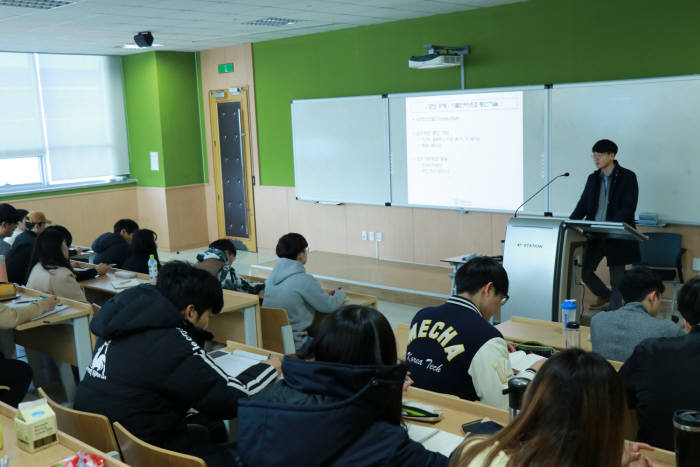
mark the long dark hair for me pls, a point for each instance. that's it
(358, 335)
(144, 244)
(573, 414)
(48, 252)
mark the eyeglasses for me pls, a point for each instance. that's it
(505, 299)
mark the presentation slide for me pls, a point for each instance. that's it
(459, 146)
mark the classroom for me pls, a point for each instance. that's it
(92, 132)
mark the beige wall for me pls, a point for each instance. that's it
(242, 58)
(176, 214)
(86, 215)
(416, 235)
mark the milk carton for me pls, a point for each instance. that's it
(35, 425)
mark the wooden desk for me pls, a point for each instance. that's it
(360, 299)
(226, 325)
(57, 334)
(549, 333)
(67, 445)
(458, 411)
(221, 324)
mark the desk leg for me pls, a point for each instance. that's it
(83, 346)
(251, 317)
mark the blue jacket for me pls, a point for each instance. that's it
(328, 414)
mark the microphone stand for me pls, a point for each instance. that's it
(565, 174)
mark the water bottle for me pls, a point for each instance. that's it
(568, 312)
(152, 269)
(573, 335)
(3, 269)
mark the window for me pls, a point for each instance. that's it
(62, 120)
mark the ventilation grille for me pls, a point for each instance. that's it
(272, 21)
(38, 4)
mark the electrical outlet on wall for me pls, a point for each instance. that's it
(379, 236)
(696, 264)
(364, 235)
(371, 236)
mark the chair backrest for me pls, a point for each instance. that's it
(90, 428)
(401, 335)
(272, 320)
(662, 250)
(138, 453)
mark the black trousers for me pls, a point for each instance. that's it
(17, 375)
(593, 254)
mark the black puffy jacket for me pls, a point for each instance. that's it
(328, 414)
(110, 248)
(148, 369)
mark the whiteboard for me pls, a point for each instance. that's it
(656, 125)
(341, 150)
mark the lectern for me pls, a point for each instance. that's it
(539, 256)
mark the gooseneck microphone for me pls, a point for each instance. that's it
(565, 174)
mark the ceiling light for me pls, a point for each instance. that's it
(272, 21)
(39, 4)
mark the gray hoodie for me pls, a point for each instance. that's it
(291, 288)
(615, 334)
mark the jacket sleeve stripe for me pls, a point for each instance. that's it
(266, 376)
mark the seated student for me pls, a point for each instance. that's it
(16, 374)
(149, 366)
(113, 248)
(661, 375)
(21, 226)
(143, 245)
(572, 414)
(338, 404)
(453, 349)
(9, 217)
(218, 261)
(51, 271)
(20, 254)
(615, 334)
(291, 288)
(88, 271)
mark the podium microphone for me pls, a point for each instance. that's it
(565, 174)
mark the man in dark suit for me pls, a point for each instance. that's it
(610, 194)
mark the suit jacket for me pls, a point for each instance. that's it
(622, 204)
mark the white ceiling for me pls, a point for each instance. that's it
(102, 26)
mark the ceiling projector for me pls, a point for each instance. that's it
(438, 56)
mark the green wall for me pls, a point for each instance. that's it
(162, 111)
(536, 42)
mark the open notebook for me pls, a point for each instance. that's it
(237, 362)
(434, 439)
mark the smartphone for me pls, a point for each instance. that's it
(479, 427)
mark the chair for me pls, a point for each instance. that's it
(276, 331)
(663, 254)
(138, 453)
(90, 428)
(401, 335)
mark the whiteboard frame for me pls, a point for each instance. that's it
(387, 184)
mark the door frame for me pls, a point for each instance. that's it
(235, 94)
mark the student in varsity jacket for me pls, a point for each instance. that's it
(149, 366)
(453, 349)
